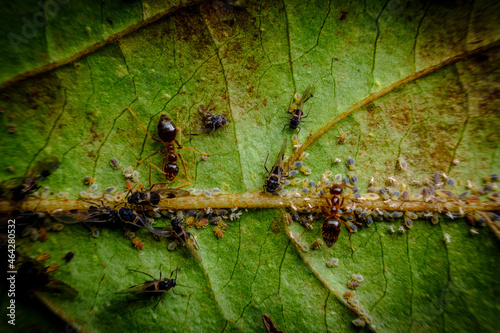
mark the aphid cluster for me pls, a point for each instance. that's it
(350, 296)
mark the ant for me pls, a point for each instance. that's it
(167, 133)
(296, 108)
(276, 177)
(330, 230)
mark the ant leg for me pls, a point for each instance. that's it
(154, 166)
(159, 299)
(179, 127)
(350, 233)
(192, 149)
(159, 151)
(183, 166)
(145, 130)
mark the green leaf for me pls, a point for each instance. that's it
(425, 77)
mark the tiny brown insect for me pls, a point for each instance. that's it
(137, 243)
(202, 223)
(342, 137)
(218, 232)
(316, 244)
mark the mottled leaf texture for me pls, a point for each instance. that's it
(65, 82)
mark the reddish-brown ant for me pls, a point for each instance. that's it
(167, 133)
(331, 227)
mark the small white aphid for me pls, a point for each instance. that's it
(447, 238)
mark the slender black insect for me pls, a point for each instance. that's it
(20, 188)
(152, 196)
(277, 176)
(155, 287)
(296, 108)
(100, 214)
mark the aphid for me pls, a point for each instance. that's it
(370, 196)
(353, 302)
(114, 163)
(383, 194)
(350, 164)
(137, 243)
(293, 173)
(350, 294)
(43, 235)
(68, 256)
(57, 227)
(210, 121)
(397, 215)
(316, 244)
(402, 163)
(388, 216)
(494, 196)
(352, 284)
(283, 193)
(395, 195)
(493, 178)
(218, 232)
(155, 287)
(223, 225)
(435, 218)
(332, 262)
(436, 177)
(89, 180)
(276, 177)
(167, 132)
(296, 108)
(152, 196)
(408, 222)
(43, 256)
(357, 277)
(94, 232)
(172, 245)
(342, 137)
(128, 172)
(202, 223)
(405, 196)
(215, 191)
(411, 215)
(19, 188)
(448, 195)
(359, 322)
(303, 156)
(268, 323)
(451, 182)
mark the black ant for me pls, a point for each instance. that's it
(276, 177)
(330, 230)
(297, 106)
(154, 287)
(167, 133)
